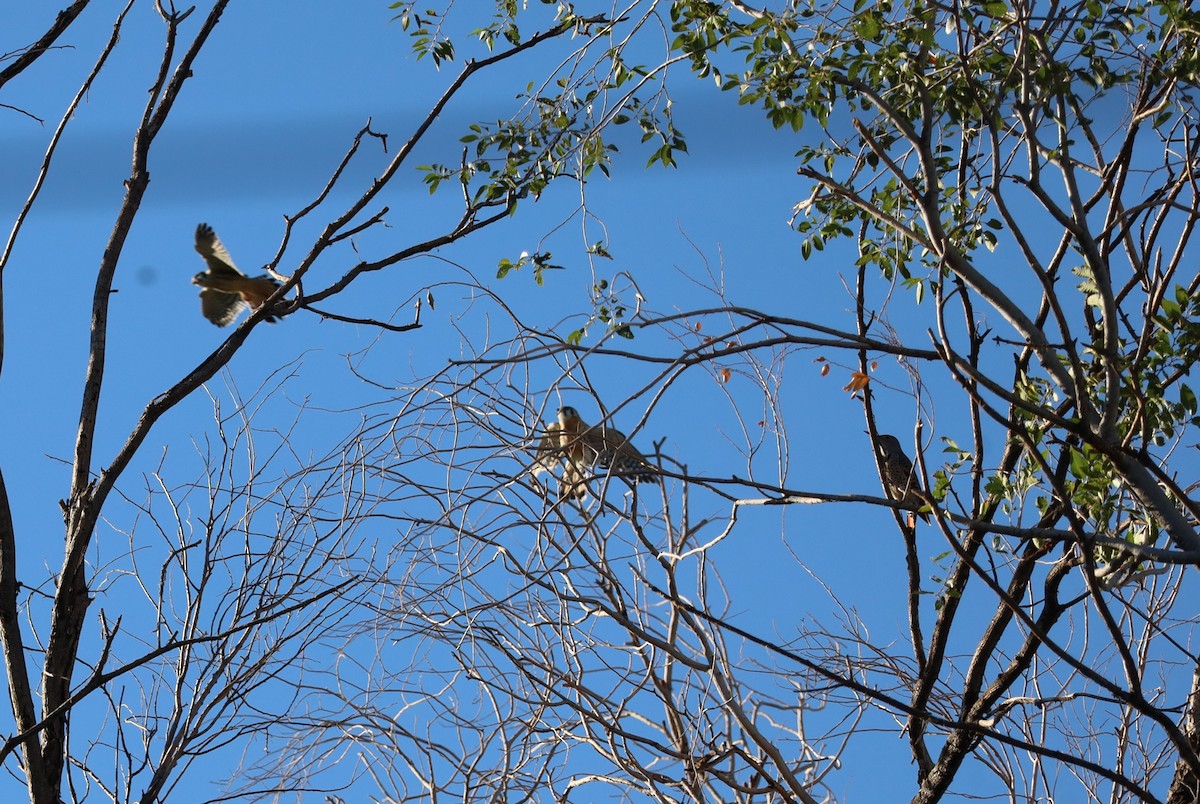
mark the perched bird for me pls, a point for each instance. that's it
(578, 446)
(557, 446)
(226, 290)
(899, 479)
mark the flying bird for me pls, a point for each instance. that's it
(226, 290)
(578, 446)
(899, 480)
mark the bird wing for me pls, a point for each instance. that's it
(609, 448)
(548, 453)
(213, 251)
(219, 307)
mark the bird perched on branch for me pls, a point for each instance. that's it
(578, 445)
(899, 480)
(226, 290)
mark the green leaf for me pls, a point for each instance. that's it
(1079, 464)
(1187, 398)
(868, 26)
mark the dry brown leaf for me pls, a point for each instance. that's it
(858, 381)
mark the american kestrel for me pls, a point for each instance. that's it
(226, 290)
(578, 445)
(899, 479)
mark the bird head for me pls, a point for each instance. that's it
(567, 414)
(201, 279)
(887, 445)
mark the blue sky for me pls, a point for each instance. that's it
(276, 97)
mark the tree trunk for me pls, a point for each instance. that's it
(1185, 787)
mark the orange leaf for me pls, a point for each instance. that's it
(824, 369)
(874, 365)
(858, 381)
(725, 374)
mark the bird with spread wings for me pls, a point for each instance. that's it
(226, 290)
(578, 446)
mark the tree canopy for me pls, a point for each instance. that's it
(385, 581)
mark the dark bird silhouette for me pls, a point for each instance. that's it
(899, 480)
